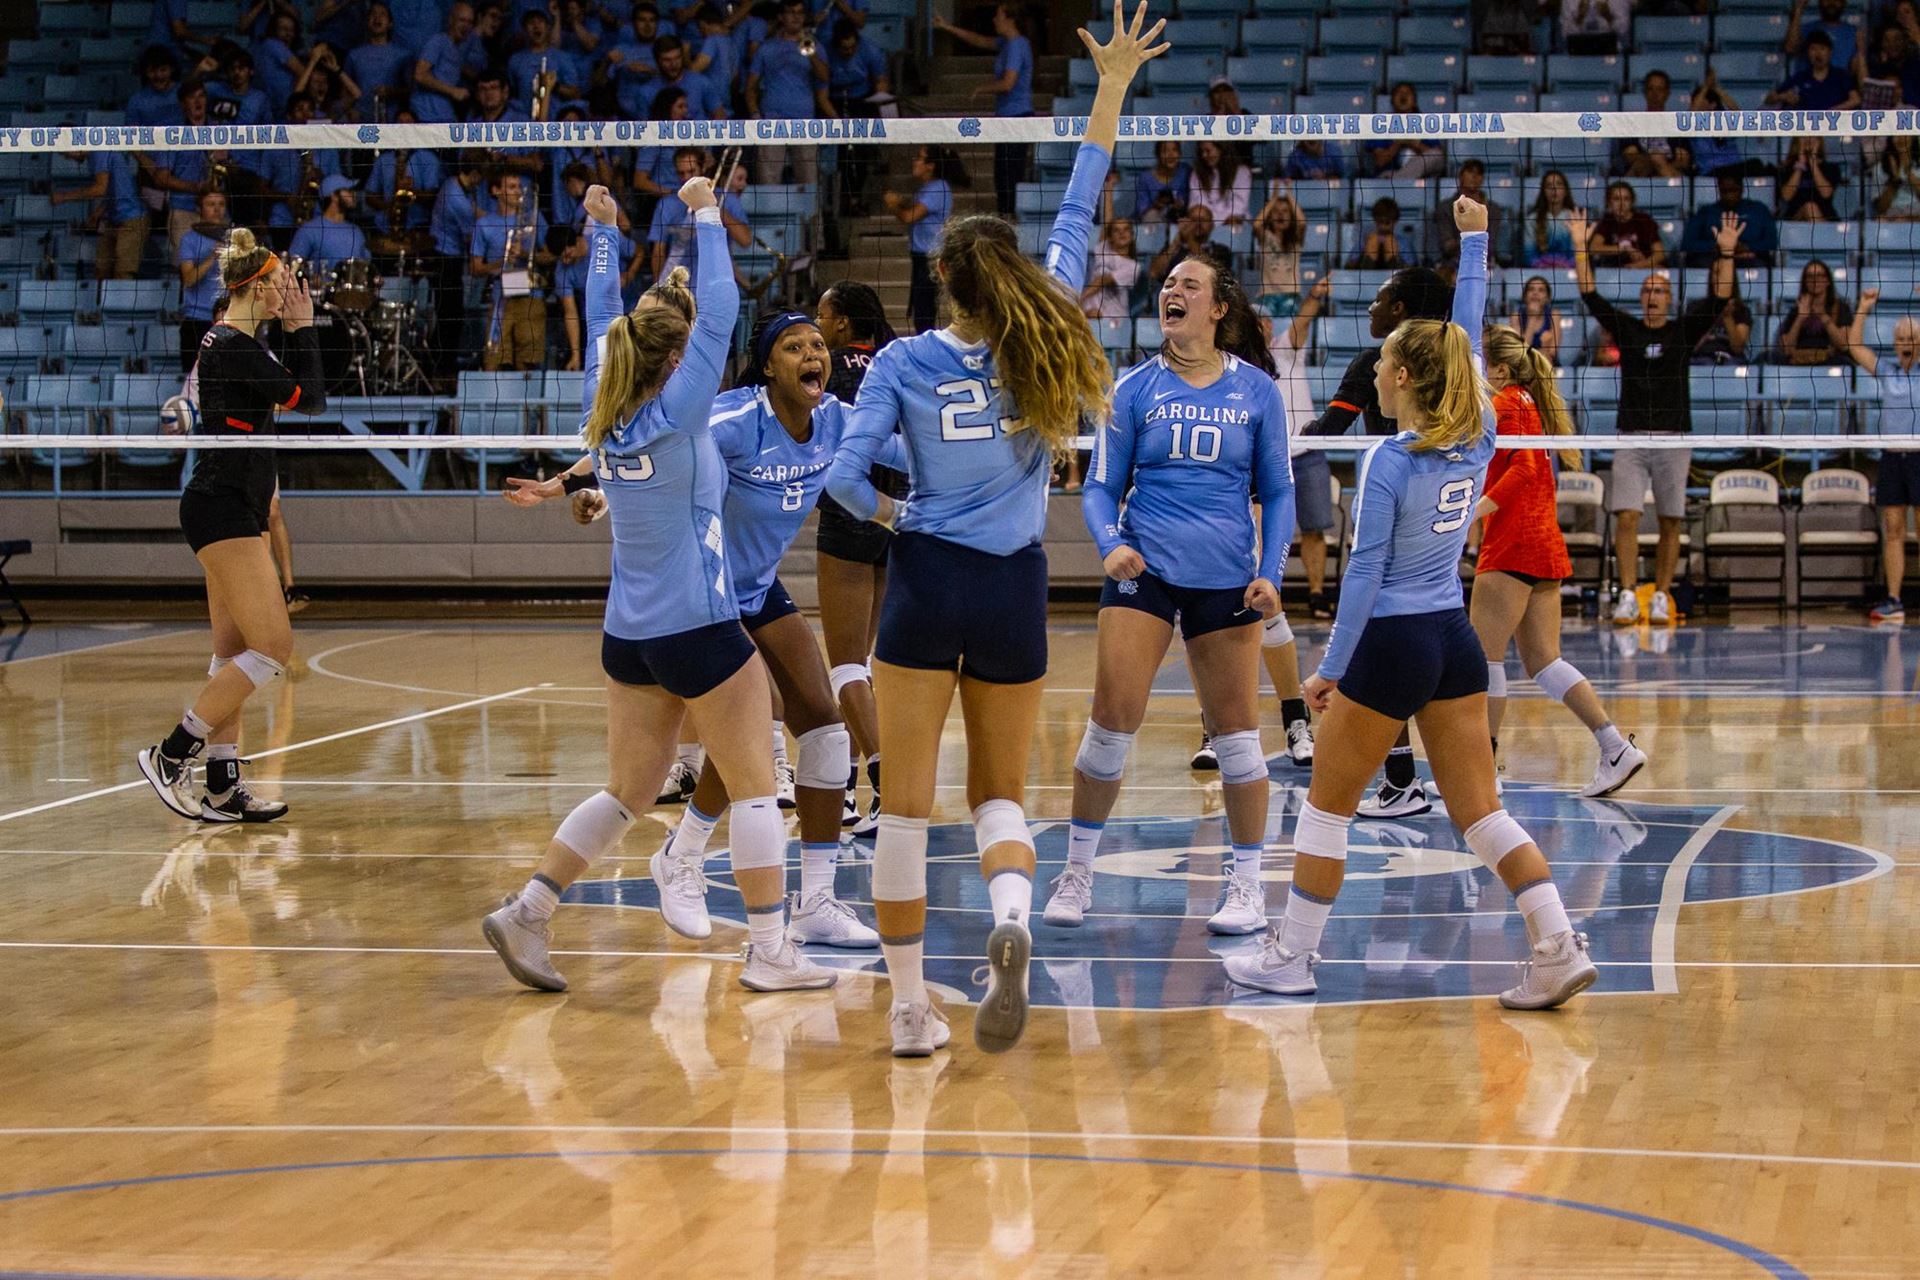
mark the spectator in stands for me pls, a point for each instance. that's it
(579, 29)
(1385, 247)
(276, 58)
(1316, 160)
(1113, 272)
(1816, 332)
(1594, 27)
(1842, 38)
(705, 100)
(1899, 198)
(182, 174)
(1653, 157)
(1224, 100)
(121, 214)
(1897, 487)
(1628, 236)
(330, 236)
(670, 235)
(490, 105)
(508, 245)
(1222, 183)
(292, 178)
(443, 67)
(1278, 235)
(198, 261)
(938, 171)
(1807, 181)
(1504, 28)
(716, 54)
(379, 67)
(419, 173)
(490, 25)
(1473, 183)
(574, 170)
(332, 93)
(1655, 350)
(568, 76)
(340, 23)
(1759, 238)
(856, 70)
(455, 212)
(1823, 86)
(1406, 157)
(1546, 240)
(157, 100)
(1160, 194)
(1893, 63)
(417, 21)
(627, 64)
(168, 27)
(1725, 341)
(1711, 155)
(1288, 340)
(1536, 321)
(233, 98)
(1011, 87)
(786, 81)
(1193, 238)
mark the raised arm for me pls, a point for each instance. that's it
(1582, 254)
(689, 392)
(603, 283)
(1863, 355)
(1108, 479)
(1470, 286)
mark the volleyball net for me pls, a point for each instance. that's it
(450, 274)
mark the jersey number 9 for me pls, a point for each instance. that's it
(971, 398)
(1456, 505)
(640, 468)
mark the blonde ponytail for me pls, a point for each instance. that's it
(639, 346)
(1446, 388)
(1532, 372)
(241, 258)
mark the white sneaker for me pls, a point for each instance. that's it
(850, 811)
(678, 788)
(1276, 969)
(1611, 775)
(522, 946)
(682, 883)
(869, 822)
(1300, 743)
(1626, 611)
(783, 968)
(1662, 610)
(1072, 895)
(1204, 757)
(1557, 972)
(918, 1029)
(823, 919)
(1002, 1014)
(1243, 907)
(1391, 802)
(172, 782)
(783, 783)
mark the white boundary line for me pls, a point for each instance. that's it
(95, 648)
(1673, 895)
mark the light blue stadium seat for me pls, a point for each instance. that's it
(1424, 34)
(97, 344)
(1031, 199)
(1355, 289)
(1879, 335)
(1149, 238)
(1264, 73)
(1082, 76)
(1488, 73)
(130, 15)
(1238, 240)
(1116, 336)
(20, 251)
(1894, 240)
(1805, 399)
(776, 200)
(1833, 241)
(495, 404)
(1762, 66)
(1660, 32)
(1277, 34)
(1415, 196)
(22, 348)
(1578, 100)
(1759, 32)
(1508, 99)
(1333, 101)
(135, 403)
(1716, 417)
(560, 403)
(1180, 74)
(70, 18)
(1428, 71)
(1320, 199)
(62, 404)
(1353, 35)
(1345, 71)
(1569, 74)
(57, 297)
(60, 92)
(1342, 336)
(1193, 34)
(1217, 8)
(1146, 334)
(133, 297)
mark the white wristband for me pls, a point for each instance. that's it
(710, 214)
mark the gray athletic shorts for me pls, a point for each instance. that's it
(1313, 492)
(1662, 470)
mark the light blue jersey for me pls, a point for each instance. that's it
(1414, 507)
(1189, 457)
(973, 482)
(773, 481)
(662, 473)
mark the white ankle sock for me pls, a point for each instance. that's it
(696, 828)
(1546, 915)
(1305, 920)
(904, 968)
(1011, 893)
(689, 754)
(1083, 842)
(1246, 861)
(1610, 739)
(818, 862)
(764, 928)
(538, 900)
(780, 741)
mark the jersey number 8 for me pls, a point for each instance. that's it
(974, 400)
(793, 497)
(1456, 505)
(640, 468)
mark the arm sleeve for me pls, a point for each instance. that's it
(603, 300)
(893, 454)
(1108, 477)
(1073, 226)
(689, 393)
(307, 383)
(876, 411)
(1367, 563)
(1603, 311)
(1273, 481)
(1470, 287)
(1355, 396)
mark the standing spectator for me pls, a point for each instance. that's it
(417, 21)
(1758, 238)
(379, 67)
(705, 100)
(1594, 27)
(332, 93)
(1816, 332)
(1842, 37)
(1899, 198)
(1653, 157)
(157, 100)
(1725, 342)
(856, 70)
(833, 13)
(1012, 87)
(1112, 273)
(1807, 181)
(1537, 323)
(1628, 236)
(1897, 488)
(293, 177)
(567, 74)
(628, 63)
(938, 170)
(716, 55)
(1278, 237)
(121, 214)
(1711, 155)
(491, 106)
(1655, 350)
(1222, 184)
(1192, 239)
(1823, 86)
(1504, 28)
(785, 82)
(182, 174)
(1317, 160)
(276, 61)
(330, 237)
(455, 213)
(580, 30)
(1160, 194)
(443, 66)
(340, 23)
(422, 174)
(507, 245)
(168, 27)
(570, 270)
(1404, 157)
(1224, 100)
(1473, 183)
(1894, 61)
(1287, 340)
(653, 171)
(1547, 240)
(1385, 247)
(198, 260)
(671, 233)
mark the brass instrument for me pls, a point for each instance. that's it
(809, 43)
(308, 196)
(543, 82)
(217, 172)
(403, 193)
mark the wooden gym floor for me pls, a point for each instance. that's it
(286, 1052)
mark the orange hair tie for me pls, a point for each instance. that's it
(266, 269)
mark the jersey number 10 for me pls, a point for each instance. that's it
(1455, 507)
(1202, 442)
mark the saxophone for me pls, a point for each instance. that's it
(308, 196)
(403, 193)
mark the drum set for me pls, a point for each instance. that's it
(372, 327)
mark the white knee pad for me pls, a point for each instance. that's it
(1240, 758)
(595, 826)
(845, 674)
(1558, 678)
(1103, 753)
(758, 834)
(1320, 834)
(260, 669)
(821, 760)
(217, 665)
(1000, 822)
(1496, 679)
(1276, 633)
(900, 859)
(1494, 837)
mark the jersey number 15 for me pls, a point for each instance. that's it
(1455, 507)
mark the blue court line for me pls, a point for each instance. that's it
(1759, 1257)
